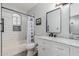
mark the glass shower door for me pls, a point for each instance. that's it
(13, 41)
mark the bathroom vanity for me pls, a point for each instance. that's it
(58, 46)
(50, 46)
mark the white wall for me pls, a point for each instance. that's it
(40, 11)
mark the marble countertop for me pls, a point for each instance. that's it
(71, 42)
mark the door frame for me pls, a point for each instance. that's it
(1, 29)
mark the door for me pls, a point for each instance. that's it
(13, 42)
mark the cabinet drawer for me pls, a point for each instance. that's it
(57, 44)
(59, 51)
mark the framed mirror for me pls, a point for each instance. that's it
(53, 21)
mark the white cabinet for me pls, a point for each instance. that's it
(74, 51)
(74, 18)
(74, 9)
(50, 48)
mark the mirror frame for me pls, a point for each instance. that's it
(47, 20)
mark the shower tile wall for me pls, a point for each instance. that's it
(12, 40)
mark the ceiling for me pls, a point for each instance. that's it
(22, 7)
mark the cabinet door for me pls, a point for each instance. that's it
(61, 49)
(74, 51)
(44, 48)
(44, 51)
(74, 9)
(41, 50)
